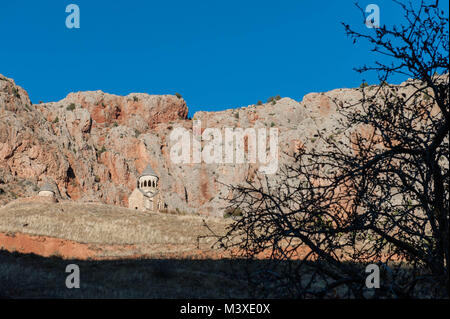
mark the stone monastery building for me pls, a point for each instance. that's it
(146, 195)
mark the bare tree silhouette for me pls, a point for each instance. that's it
(378, 195)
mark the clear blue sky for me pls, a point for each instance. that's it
(217, 54)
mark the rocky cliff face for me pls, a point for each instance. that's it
(94, 144)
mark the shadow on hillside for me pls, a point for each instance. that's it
(33, 276)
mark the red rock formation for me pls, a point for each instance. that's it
(94, 144)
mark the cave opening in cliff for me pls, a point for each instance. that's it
(70, 175)
(117, 112)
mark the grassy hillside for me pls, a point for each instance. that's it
(173, 266)
(104, 224)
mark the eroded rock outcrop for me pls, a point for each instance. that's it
(94, 144)
(90, 143)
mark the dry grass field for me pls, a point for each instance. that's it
(104, 224)
(186, 273)
(136, 255)
(112, 231)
